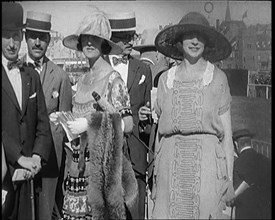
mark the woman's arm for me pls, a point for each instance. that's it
(227, 142)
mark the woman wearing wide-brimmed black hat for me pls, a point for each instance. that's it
(194, 155)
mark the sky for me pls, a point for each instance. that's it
(66, 15)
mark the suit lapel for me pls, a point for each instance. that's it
(47, 75)
(25, 90)
(132, 69)
(7, 87)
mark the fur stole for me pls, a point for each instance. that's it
(111, 181)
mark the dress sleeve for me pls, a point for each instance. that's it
(119, 95)
(226, 98)
(160, 90)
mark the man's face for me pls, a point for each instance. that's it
(11, 43)
(37, 43)
(125, 40)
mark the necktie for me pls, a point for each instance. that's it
(36, 65)
(117, 61)
(17, 63)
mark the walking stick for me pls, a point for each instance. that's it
(32, 199)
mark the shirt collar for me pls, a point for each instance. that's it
(5, 63)
(245, 148)
(30, 60)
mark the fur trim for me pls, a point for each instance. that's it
(111, 181)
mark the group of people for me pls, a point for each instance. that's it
(101, 173)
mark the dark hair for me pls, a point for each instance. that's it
(105, 46)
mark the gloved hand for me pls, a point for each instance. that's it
(78, 126)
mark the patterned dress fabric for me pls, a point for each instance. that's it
(190, 165)
(112, 88)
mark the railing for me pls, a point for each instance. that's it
(262, 147)
(259, 91)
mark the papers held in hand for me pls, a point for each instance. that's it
(63, 118)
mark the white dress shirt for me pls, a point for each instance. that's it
(15, 79)
(30, 60)
(122, 68)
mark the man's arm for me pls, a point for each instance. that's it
(43, 141)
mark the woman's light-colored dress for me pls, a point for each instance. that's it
(113, 89)
(190, 166)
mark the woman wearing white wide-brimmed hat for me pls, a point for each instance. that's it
(100, 182)
(194, 156)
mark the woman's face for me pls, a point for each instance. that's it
(91, 46)
(193, 45)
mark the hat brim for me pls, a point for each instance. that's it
(242, 133)
(71, 42)
(15, 28)
(38, 30)
(141, 47)
(166, 42)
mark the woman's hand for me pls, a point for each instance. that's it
(78, 126)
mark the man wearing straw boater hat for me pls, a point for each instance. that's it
(58, 96)
(138, 78)
(26, 133)
(149, 54)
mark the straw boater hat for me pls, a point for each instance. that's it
(37, 21)
(217, 48)
(12, 16)
(122, 21)
(242, 133)
(147, 39)
(97, 25)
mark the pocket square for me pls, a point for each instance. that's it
(33, 95)
(141, 79)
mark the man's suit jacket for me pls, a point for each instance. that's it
(255, 170)
(58, 96)
(140, 92)
(25, 131)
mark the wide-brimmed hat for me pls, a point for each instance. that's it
(12, 16)
(147, 39)
(38, 21)
(217, 47)
(122, 21)
(242, 133)
(97, 25)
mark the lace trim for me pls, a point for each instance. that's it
(171, 77)
(207, 75)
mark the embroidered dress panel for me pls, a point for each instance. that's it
(76, 205)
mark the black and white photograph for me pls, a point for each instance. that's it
(136, 110)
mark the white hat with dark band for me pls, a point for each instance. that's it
(122, 21)
(37, 21)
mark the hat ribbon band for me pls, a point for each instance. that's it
(42, 25)
(123, 23)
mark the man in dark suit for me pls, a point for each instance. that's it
(251, 179)
(26, 133)
(138, 78)
(58, 96)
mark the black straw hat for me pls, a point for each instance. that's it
(217, 48)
